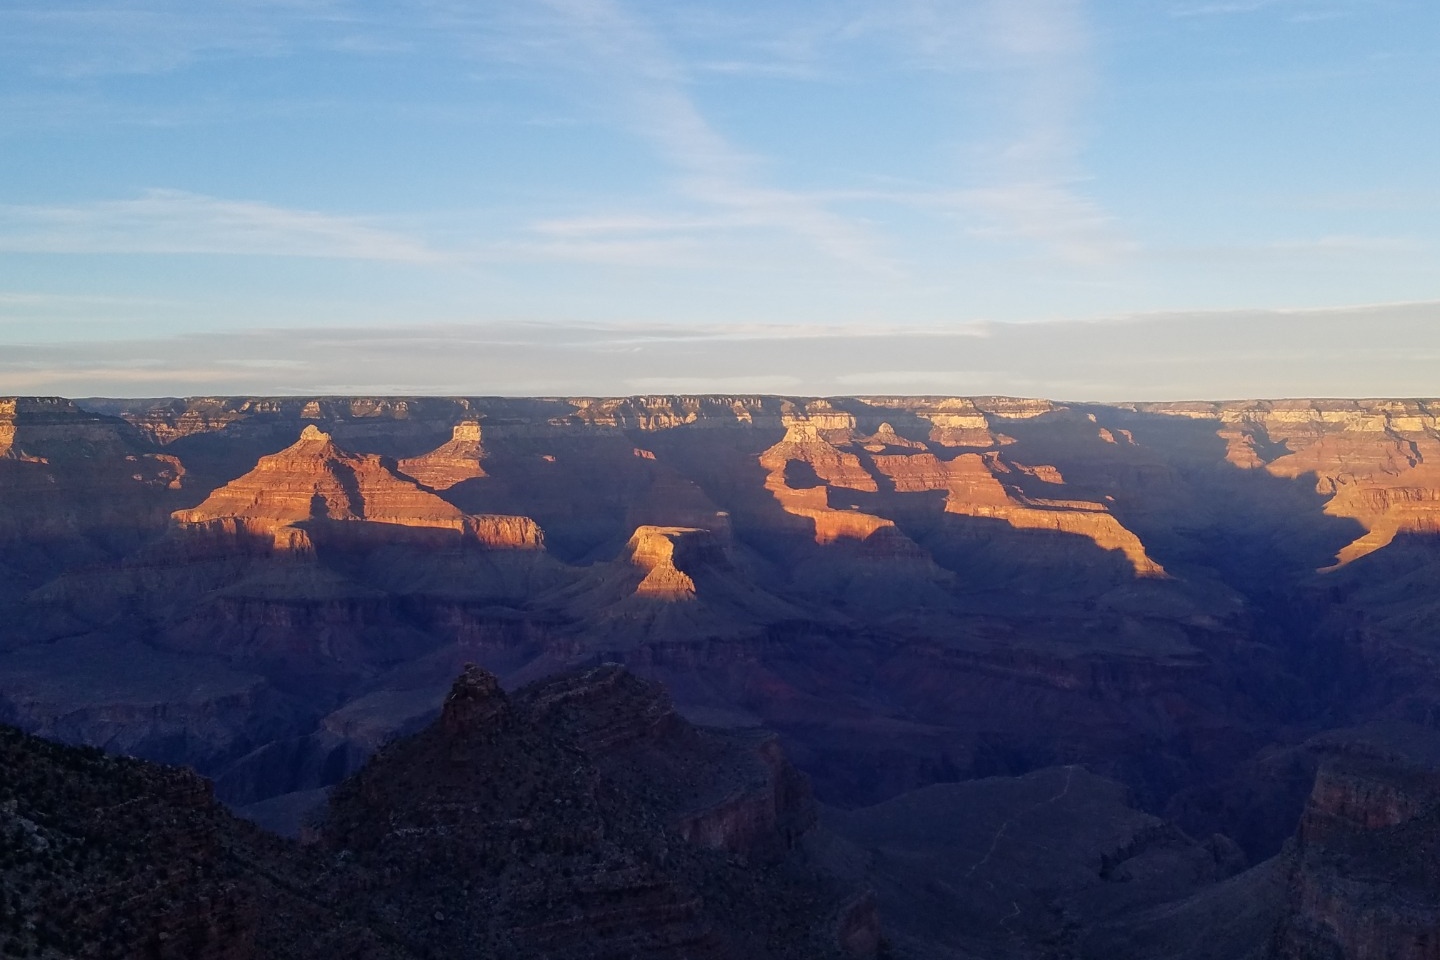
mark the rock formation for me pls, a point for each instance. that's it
(652, 549)
(970, 481)
(1378, 462)
(315, 480)
(574, 849)
(445, 466)
(973, 488)
(113, 857)
(804, 444)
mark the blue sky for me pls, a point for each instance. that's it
(819, 175)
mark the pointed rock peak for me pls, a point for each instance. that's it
(474, 700)
(314, 443)
(468, 430)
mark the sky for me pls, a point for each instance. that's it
(1134, 199)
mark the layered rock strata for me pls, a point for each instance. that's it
(316, 480)
(452, 463)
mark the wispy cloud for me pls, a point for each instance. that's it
(1348, 245)
(1296, 11)
(1072, 226)
(175, 222)
(1036, 59)
(1221, 8)
(645, 87)
(86, 38)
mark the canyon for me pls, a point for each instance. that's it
(1196, 615)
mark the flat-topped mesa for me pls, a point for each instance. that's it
(652, 549)
(315, 480)
(455, 461)
(500, 531)
(651, 413)
(1016, 408)
(49, 429)
(954, 421)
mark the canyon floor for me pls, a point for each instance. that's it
(1062, 679)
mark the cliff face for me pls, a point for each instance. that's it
(652, 549)
(1365, 880)
(911, 591)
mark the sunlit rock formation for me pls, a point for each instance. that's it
(1377, 461)
(805, 444)
(814, 458)
(7, 425)
(458, 460)
(315, 480)
(652, 549)
(974, 488)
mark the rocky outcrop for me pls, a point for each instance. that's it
(1364, 880)
(767, 815)
(734, 791)
(652, 549)
(475, 703)
(456, 461)
(105, 856)
(509, 806)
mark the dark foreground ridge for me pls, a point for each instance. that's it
(580, 819)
